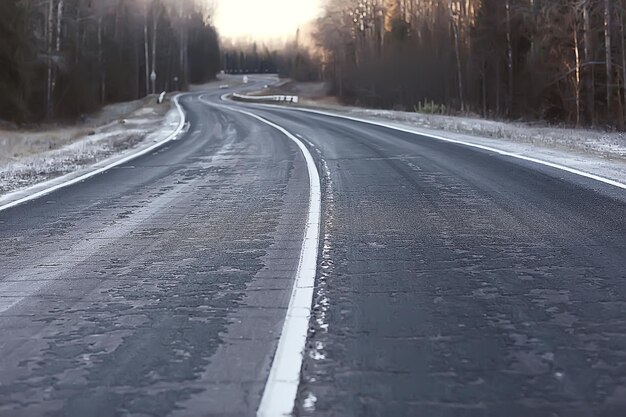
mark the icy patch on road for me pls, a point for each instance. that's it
(322, 302)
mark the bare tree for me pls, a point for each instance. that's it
(81, 54)
(608, 43)
(519, 58)
(509, 55)
(589, 58)
(455, 21)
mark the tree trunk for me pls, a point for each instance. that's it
(577, 80)
(623, 54)
(467, 42)
(155, 26)
(483, 77)
(509, 50)
(590, 91)
(457, 52)
(49, 29)
(182, 49)
(59, 23)
(608, 54)
(77, 38)
(498, 82)
(101, 63)
(146, 51)
(57, 46)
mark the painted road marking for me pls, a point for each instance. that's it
(281, 388)
(280, 392)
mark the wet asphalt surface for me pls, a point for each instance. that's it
(451, 281)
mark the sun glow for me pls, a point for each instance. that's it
(263, 19)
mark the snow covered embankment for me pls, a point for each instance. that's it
(31, 157)
(603, 144)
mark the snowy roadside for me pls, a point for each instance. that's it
(593, 152)
(32, 157)
(603, 144)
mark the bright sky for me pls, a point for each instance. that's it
(263, 19)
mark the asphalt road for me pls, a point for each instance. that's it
(451, 281)
(158, 288)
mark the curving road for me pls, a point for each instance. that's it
(450, 281)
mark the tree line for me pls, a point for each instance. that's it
(556, 60)
(64, 58)
(292, 59)
(249, 57)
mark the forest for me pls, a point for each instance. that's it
(60, 59)
(563, 61)
(294, 58)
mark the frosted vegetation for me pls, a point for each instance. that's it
(28, 157)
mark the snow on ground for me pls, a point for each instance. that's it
(604, 144)
(32, 156)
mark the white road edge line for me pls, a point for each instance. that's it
(460, 142)
(44, 192)
(279, 395)
(474, 145)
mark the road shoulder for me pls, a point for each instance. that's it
(22, 182)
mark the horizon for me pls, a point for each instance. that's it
(261, 21)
